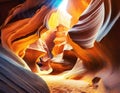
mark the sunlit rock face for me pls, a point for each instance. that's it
(57, 39)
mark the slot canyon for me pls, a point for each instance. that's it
(59, 46)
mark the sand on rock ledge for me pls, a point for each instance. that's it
(58, 84)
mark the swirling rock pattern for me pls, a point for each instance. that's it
(15, 35)
(84, 33)
(93, 24)
(18, 35)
